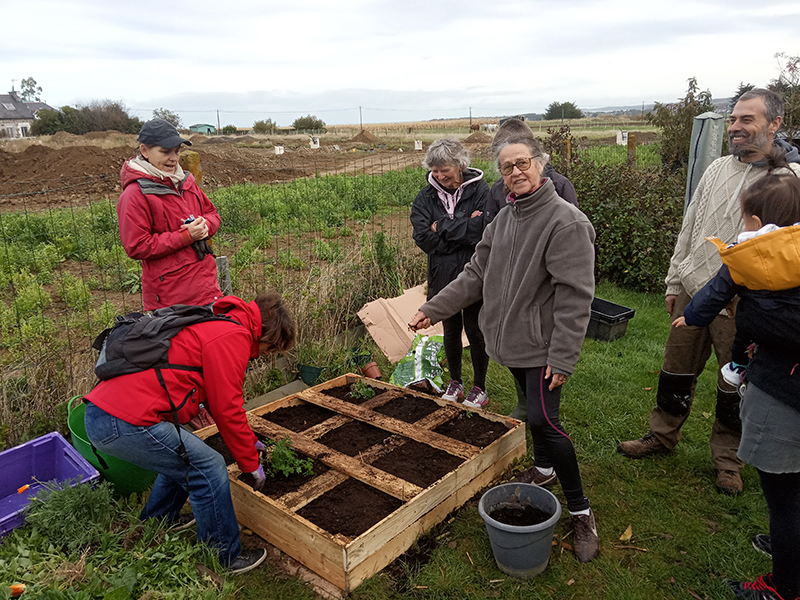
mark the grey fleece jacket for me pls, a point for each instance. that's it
(534, 270)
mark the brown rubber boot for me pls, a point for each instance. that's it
(645, 446)
(585, 538)
(729, 483)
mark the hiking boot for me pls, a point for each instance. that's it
(763, 543)
(455, 391)
(645, 446)
(760, 589)
(536, 477)
(184, 521)
(733, 373)
(477, 398)
(248, 560)
(585, 538)
(729, 483)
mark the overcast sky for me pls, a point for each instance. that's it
(400, 60)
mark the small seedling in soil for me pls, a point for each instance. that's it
(361, 391)
(281, 459)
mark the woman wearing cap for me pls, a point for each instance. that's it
(165, 220)
(534, 271)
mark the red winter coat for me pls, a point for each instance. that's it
(222, 349)
(150, 228)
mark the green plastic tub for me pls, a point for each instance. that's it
(127, 478)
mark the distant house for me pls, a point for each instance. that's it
(204, 128)
(35, 107)
(15, 117)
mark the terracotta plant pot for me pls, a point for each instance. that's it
(371, 370)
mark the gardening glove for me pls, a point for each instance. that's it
(202, 248)
(261, 479)
(260, 446)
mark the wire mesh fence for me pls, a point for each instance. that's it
(328, 229)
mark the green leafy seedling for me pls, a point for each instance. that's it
(361, 391)
(281, 459)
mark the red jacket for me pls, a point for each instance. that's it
(150, 228)
(222, 349)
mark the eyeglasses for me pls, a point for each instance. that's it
(523, 164)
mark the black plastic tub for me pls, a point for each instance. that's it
(609, 320)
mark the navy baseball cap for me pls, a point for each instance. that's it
(159, 132)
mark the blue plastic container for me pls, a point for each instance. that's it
(46, 459)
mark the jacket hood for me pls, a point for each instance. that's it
(792, 155)
(246, 313)
(130, 174)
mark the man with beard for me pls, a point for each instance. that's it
(713, 211)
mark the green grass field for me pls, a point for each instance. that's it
(686, 537)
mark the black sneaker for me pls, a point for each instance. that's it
(763, 543)
(248, 560)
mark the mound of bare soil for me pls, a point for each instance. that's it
(477, 138)
(99, 135)
(63, 136)
(365, 137)
(249, 139)
(198, 138)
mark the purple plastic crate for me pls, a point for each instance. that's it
(45, 459)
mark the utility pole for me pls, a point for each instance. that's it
(470, 117)
(218, 126)
(360, 120)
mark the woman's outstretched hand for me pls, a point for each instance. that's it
(419, 321)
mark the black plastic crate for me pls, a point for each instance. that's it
(608, 321)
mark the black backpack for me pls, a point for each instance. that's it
(138, 342)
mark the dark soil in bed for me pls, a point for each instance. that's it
(473, 430)
(353, 437)
(408, 408)
(418, 463)
(338, 511)
(299, 418)
(342, 392)
(278, 485)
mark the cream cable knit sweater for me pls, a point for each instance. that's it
(713, 211)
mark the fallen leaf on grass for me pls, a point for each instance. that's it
(626, 537)
(496, 580)
(694, 594)
(648, 389)
(452, 545)
(570, 582)
(706, 415)
(566, 546)
(470, 559)
(420, 587)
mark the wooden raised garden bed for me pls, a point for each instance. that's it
(386, 470)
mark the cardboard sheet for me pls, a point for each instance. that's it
(387, 320)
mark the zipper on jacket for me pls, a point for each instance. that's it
(509, 264)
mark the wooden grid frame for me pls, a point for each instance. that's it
(345, 561)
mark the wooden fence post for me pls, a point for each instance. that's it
(224, 275)
(631, 148)
(568, 151)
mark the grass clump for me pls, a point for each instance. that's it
(80, 543)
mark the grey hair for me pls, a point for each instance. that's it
(533, 145)
(773, 102)
(446, 152)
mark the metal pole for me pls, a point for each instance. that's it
(360, 121)
(218, 126)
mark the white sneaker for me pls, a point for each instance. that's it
(455, 391)
(477, 398)
(733, 375)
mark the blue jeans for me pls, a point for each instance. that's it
(155, 448)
